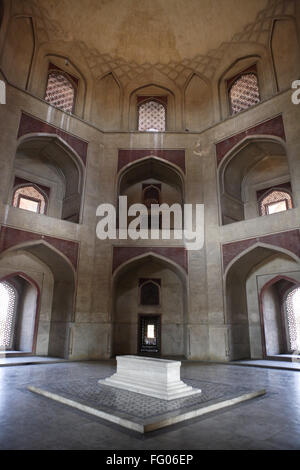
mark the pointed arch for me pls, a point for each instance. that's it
(69, 171)
(106, 106)
(235, 297)
(198, 103)
(236, 166)
(62, 312)
(125, 314)
(151, 165)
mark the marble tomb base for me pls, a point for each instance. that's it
(159, 378)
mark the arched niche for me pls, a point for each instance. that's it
(18, 51)
(198, 106)
(254, 164)
(106, 107)
(151, 171)
(241, 299)
(241, 58)
(48, 161)
(70, 62)
(53, 273)
(285, 52)
(127, 309)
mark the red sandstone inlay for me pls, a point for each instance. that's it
(31, 125)
(288, 240)
(177, 157)
(10, 237)
(176, 254)
(271, 127)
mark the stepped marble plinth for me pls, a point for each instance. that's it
(159, 378)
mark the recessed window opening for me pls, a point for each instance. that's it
(8, 300)
(151, 116)
(292, 306)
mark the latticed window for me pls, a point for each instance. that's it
(275, 201)
(244, 92)
(152, 116)
(30, 199)
(60, 91)
(292, 304)
(8, 300)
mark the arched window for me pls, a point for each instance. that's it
(275, 201)
(292, 307)
(30, 198)
(152, 116)
(244, 92)
(60, 91)
(149, 293)
(8, 301)
(151, 195)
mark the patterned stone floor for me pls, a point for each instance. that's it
(30, 421)
(135, 406)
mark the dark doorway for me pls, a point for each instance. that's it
(149, 340)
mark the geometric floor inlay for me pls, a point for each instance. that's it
(139, 412)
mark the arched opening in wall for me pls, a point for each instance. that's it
(243, 92)
(8, 307)
(252, 313)
(19, 304)
(280, 309)
(30, 198)
(292, 312)
(55, 171)
(152, 114)
(149, 291)
(61, 89)
(150, 308)
(275, 200)
(256, 164)
(153, 181)
(243, 84)
(46, 292)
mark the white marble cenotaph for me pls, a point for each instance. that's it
(159, 378)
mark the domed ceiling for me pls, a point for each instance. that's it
(172, 37)
(152, 30)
